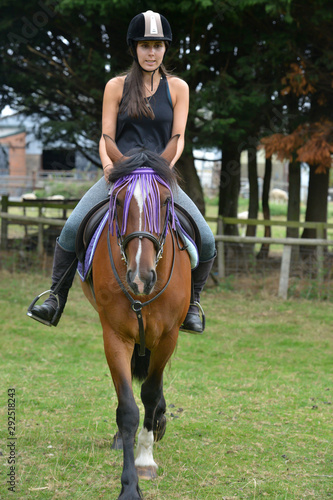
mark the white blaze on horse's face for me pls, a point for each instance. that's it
(140, 201)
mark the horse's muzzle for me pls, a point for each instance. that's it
(142, 283)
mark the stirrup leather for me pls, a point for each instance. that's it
(37, 318)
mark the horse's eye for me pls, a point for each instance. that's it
(168, 199)
(117, 202)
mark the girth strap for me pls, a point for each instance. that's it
(136, 305)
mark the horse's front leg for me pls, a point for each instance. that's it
(151, 395)
(154, 423)
(128, 421)
(118, 354)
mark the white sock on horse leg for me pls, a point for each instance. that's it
(144, 449)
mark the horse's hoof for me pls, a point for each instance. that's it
(147, 472)
(117, 442)
(131, 496)
(159, 431)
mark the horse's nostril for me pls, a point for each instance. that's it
(150, 282)
(129, 276)
(153, 277)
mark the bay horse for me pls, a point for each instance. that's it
(142, 298)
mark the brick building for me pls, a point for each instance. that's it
(13, 151)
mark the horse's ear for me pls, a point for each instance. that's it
(112, 149)
(171, 149)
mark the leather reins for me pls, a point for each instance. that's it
(137, 305)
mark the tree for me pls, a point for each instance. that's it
(53, 67)
(241, 96)
(282, 70)
(307, 98)
(55, 60)
(312, 144)
(254, 69)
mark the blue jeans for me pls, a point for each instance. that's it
(99, 191)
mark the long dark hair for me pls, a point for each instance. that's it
(134, 101)
(140, 157)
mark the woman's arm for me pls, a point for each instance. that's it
(179, 91)
(112, 96)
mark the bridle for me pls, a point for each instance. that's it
(159, 242)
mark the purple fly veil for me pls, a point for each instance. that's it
(148, 182)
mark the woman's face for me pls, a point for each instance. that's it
(150, 54)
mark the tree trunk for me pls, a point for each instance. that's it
(294, 204)
(253, 198)
(294, 199)
(254, 190)
(229, 185)
(316, 209)
(264, 250)
(228, 200)
(190, 181)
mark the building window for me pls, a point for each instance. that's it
(58, 159)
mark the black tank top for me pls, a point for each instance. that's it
(145, 132)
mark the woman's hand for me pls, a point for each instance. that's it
(107, 171)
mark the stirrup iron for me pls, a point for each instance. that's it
(37, 318)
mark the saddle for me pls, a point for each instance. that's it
(185, 226)
(88, 227)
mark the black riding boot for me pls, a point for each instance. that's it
(64, 268)
(195, 318)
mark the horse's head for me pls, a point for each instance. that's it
(140, 206)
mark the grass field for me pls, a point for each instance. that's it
(249, 403)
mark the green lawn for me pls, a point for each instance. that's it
(249, 403)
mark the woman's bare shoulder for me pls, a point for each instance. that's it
(116, 84)
(177, 83)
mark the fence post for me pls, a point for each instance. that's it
(220, 250)
(285, 270)
(4, 222)
(40, 247)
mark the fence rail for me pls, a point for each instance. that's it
(221, 239)
(16, 185)
(288, 243)
(40, 221)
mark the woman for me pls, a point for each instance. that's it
(144, 108)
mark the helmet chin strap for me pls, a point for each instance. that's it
(152, 76)
(152, 80)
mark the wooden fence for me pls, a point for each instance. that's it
(319, 243)
(40, 221)
(221, 239)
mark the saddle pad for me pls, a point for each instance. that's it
(186, 225)
(84, 267)
(88, 227)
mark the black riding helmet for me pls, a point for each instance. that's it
(148, 26)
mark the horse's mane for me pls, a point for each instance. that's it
(144, 158)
